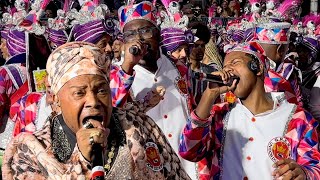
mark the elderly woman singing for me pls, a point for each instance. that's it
(133, 147)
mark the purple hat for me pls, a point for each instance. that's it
(4, 31)
(93, 31)
(236, 35)
(91, 22)
(57, 37)
(174, 32)
(235, 31)
(312, 44)
(16, 42)
(172, 38)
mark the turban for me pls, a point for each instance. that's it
(57, 37)
(74, 59)
(16, 42)
(90, 32)
(172, 38)
(94, 30)
(4, 31)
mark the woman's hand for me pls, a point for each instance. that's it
(87, 136)
(288, 169)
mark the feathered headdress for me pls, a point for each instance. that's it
(174, 28)
(288, 9)
(31, 22)
(171, 18)
(91, 22)
(57, 26)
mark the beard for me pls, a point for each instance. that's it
(150, 59)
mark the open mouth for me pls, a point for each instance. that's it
(96, 118)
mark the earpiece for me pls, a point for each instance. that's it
(253, 65)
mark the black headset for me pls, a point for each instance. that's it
(253, 65)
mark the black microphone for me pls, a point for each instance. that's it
(96, 157)
(97, 162)
(134, 50)
(213, 78)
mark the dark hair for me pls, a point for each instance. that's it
(203, 32)
(53, 7)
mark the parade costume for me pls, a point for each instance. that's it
(305, 37)
(174, 34)
(238, 144)
(90, 24)
(33, 109)
(280, 77)
(136, 149)
(169, 112)
(17, 73)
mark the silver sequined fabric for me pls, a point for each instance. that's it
(6, 132)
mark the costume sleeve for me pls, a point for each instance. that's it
(314, 104)
(295, 84)
(305, 141)
(27, 158)
(25, 113)
(5, 82)
(19, 162)
(198, 136)
(120, 83)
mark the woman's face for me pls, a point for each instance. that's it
(83, 98)
(4, 49)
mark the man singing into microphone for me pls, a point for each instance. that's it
(261, 136)
(154, 69)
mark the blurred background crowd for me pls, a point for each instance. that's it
(195, 9)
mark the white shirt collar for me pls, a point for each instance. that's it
(277, 97)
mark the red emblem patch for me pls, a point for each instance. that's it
(230, 97)
(279, 148)
(153, 156)
(181, 85)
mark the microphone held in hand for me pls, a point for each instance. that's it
(213, 78)
(97, 163)
(134, 50)
(96, 157)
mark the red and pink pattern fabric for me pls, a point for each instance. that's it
(204, 143)
(143, 10)
(274, 82)
(273, 33)
(27, 113)
(12, 77)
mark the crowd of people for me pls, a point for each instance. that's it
(150, 91)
